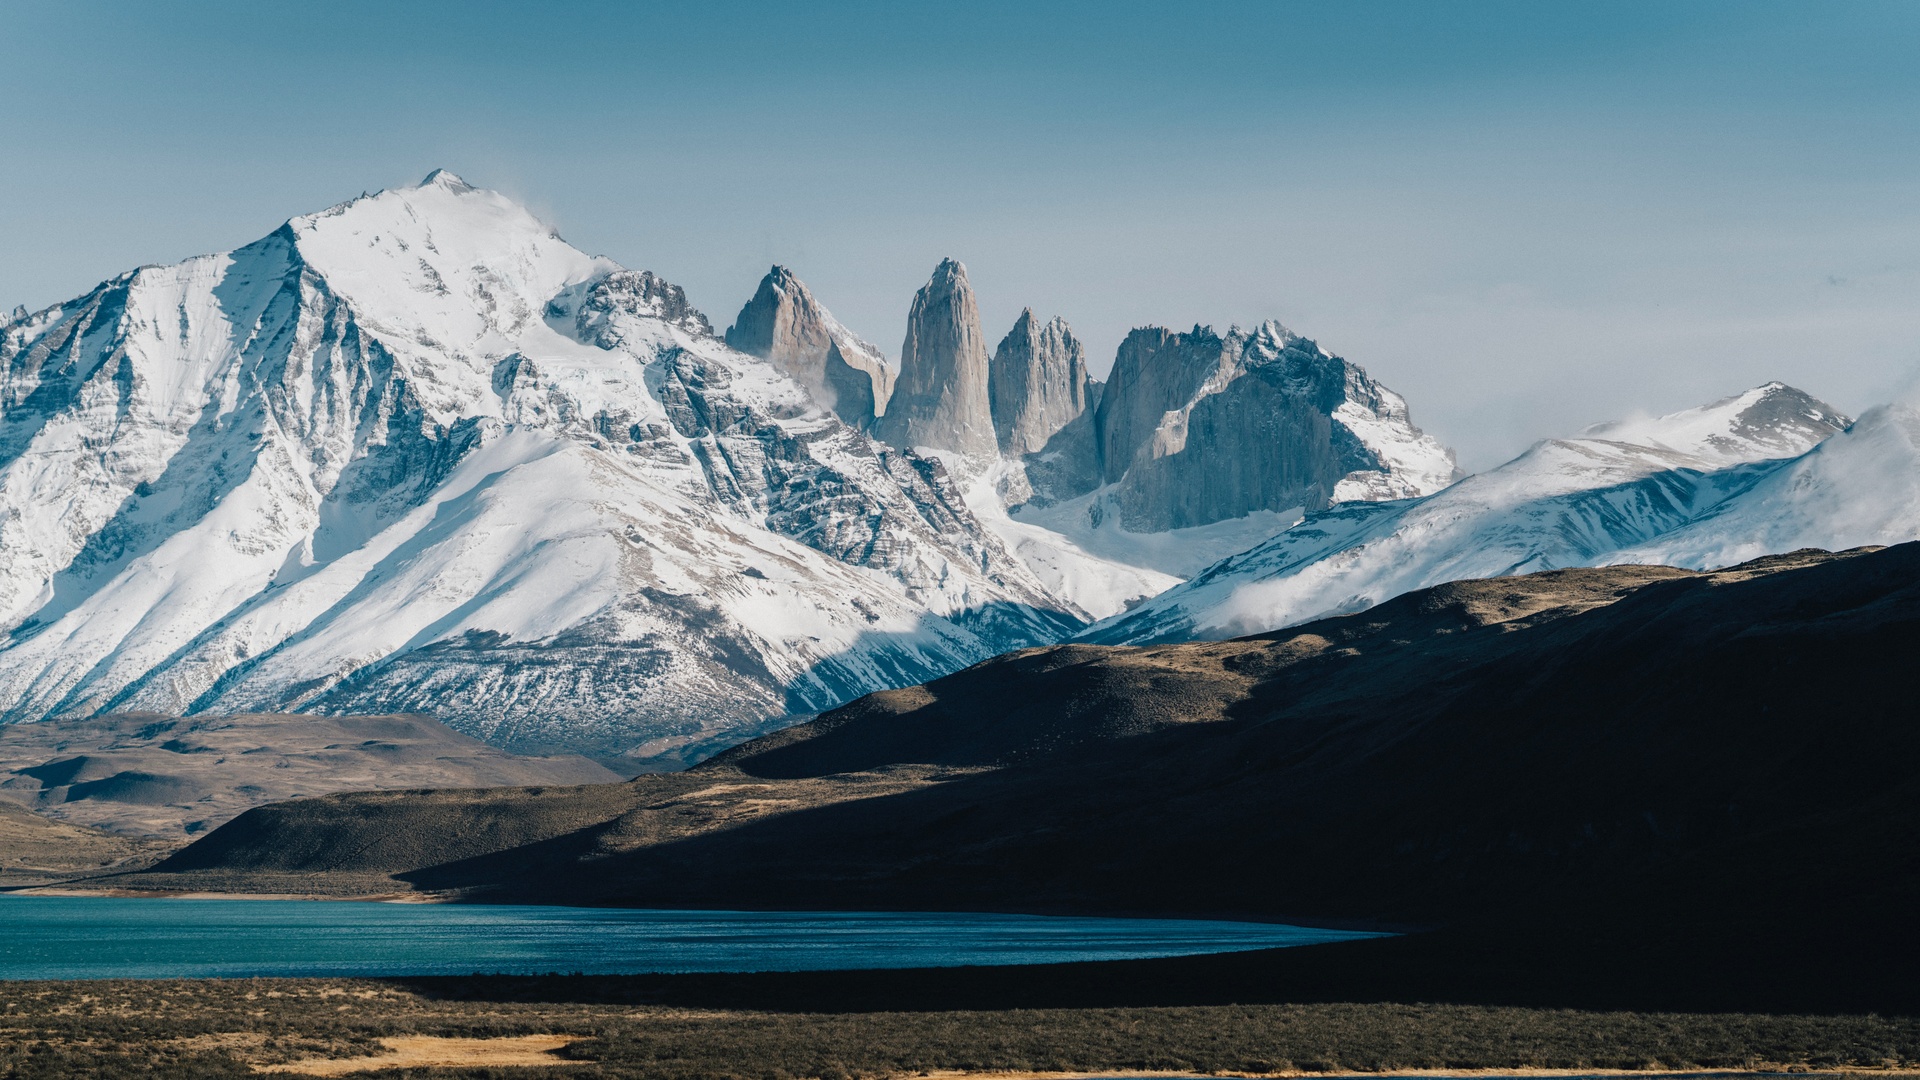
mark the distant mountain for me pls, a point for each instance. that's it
(1857, 488)
(1197, 428)
(416, 453)
(941, 400)
(1038, 383)
(1608, 496)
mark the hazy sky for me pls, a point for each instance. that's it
(1525, 217)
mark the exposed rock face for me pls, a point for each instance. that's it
(785, 324)
(1198, 427)
(1038, 383)
(635, 292)
(941, 400)
(852, 390)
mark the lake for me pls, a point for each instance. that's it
(85, 937)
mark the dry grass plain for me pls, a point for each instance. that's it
(563, 1027)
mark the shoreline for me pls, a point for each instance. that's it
(1365, 926)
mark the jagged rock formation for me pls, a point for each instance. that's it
(639, 293)
(415, 453)
(785, 324)
(1037, 383)
(1758, 473)
(941, 400)
(1198, 428)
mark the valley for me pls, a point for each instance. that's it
(448, 526)
(960, 541)
(1648, 753)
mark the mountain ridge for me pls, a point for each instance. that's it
(1565, 502)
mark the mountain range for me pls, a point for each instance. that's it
(416, 453)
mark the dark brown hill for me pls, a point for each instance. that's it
(1714, 767)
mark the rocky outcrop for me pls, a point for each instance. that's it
(1193, 428)
(1038, 383)
(640, 293)
(1155, 372)
(785, 324)
(941, 399)
(852, 390)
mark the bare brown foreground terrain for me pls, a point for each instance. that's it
(595, 1028)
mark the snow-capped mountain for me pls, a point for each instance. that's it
(416, 453)
(1859, 488)
(1199, 445)
(1646, 490)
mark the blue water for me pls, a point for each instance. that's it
(84, 937)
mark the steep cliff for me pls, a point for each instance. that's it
(851, 390)
(940, 399)
(1037, 383)
(1198, 427)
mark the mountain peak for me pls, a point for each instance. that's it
(949, 275)
(785, 324)
(1037, 383)
(1276, 331)
(1772, 419)
(941, 399)
(445, 179)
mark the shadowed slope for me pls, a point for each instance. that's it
(1627, 768)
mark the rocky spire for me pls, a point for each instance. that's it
(1038, 383)
(940, 399)
(785, 324)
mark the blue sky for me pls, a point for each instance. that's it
(1525, 217)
